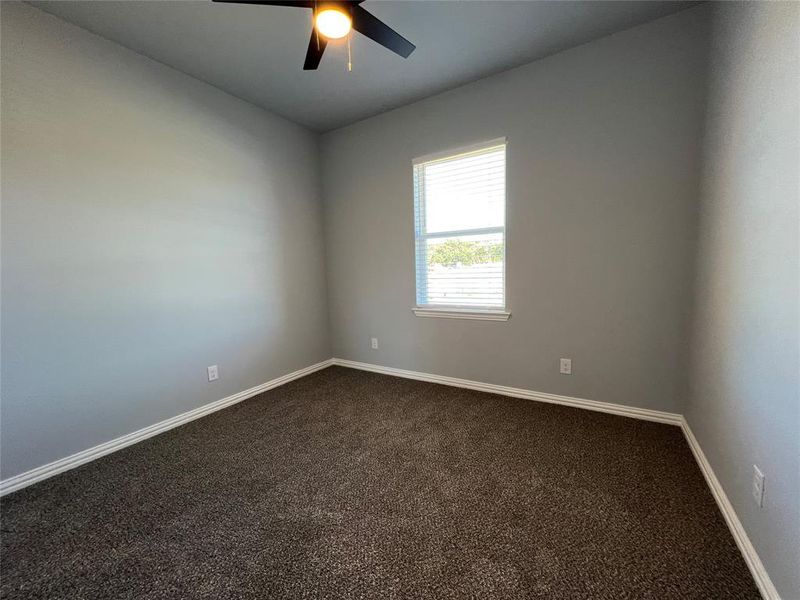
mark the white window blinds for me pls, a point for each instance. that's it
(459, 209)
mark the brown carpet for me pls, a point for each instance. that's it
(347, 484)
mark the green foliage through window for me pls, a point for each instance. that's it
(454, 252)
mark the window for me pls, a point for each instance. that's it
(459, 223)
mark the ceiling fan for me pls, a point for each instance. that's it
(333, 20)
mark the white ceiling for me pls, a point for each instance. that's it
(257, 52)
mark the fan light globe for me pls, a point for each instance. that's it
(333, 23)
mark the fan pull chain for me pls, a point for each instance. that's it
(349, 35)
(349, 57)
(314, 23)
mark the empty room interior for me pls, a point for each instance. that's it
(395, 299)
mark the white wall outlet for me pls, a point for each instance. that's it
(566, 366)
(374, 343)
(758, 486)
(213, 373)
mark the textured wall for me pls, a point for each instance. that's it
(744, 405)
(151, 225)
(603, 166)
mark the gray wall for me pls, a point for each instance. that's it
(744, 406)
(151, 225)
(603, 167)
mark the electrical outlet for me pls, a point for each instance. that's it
(213, 373)
(566, 366)
(758, 486)
(374, 343)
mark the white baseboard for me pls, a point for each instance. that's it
(760, 575)
(70, 462)
(606, 407)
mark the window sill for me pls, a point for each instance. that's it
(462, 313)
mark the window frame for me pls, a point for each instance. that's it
(460, 311)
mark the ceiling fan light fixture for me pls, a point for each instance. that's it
(333, 23)
(334, 19)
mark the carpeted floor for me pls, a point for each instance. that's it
(348, 484)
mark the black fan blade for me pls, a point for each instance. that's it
(316, 46)
(297, 3)
(377, 30)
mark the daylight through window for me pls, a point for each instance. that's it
(459, 208)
